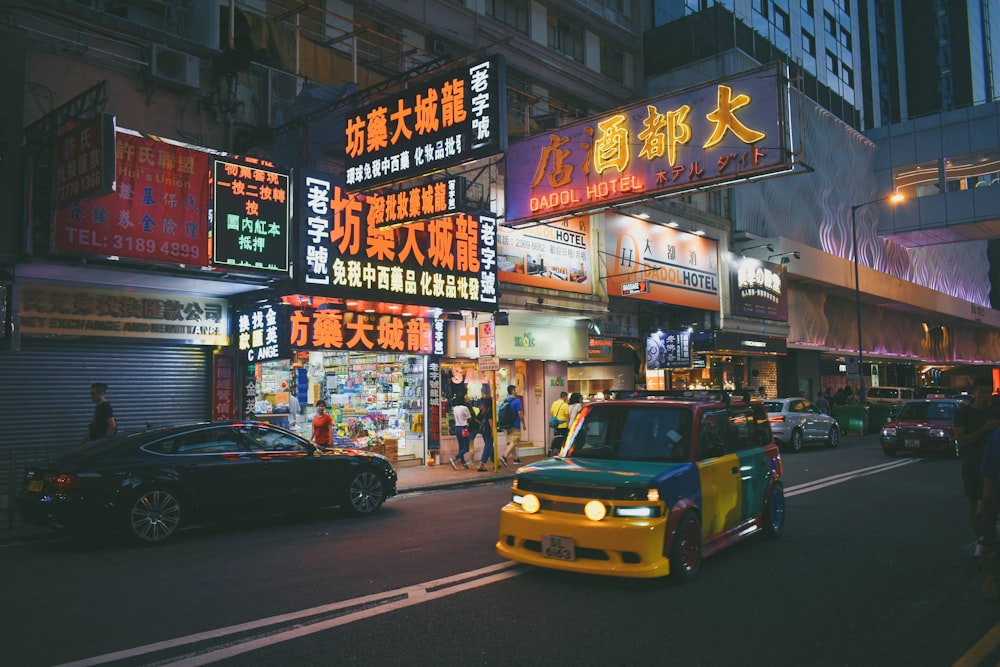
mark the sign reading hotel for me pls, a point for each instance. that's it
(678, 267)
(157, 214)
(434, 123)
(554, 255)
(434, 199)
(66, 311)
(758, 289)
(251, 211)
(447, 262)
(691, 139)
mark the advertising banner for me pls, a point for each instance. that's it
(433, 124)
(679, 268)
(757, 289)
(554, 256)
(447, 262)
(251, 216)
(686, 140)
(157, 214)
(84, 160)
(62, 310)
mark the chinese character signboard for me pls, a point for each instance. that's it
(84, 160)
(46, 309)
(668, 349)
(678, 267)
(158, 213)
(691, 139)
(432, 200)
(331, 329)
(433, 124)
(447, 262)
(223, 388)
(251, 216)
(758, 289)
(555, 255)
(262, 332)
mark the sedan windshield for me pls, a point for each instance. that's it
(927, 410)
(633, 434)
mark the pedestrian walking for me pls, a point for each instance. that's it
(462, 415)
(486, 428)
(822, 404)
(973, 425)
(575, 407)
(512, 405)
(102, 424)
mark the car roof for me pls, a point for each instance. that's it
(679, 398)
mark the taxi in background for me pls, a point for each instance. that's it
(647, 486)
(923, 425)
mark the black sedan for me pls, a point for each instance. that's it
(149, 484)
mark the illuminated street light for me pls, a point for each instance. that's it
(894, 198)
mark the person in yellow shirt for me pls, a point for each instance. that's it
(560, 416)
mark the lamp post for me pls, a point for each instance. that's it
(857, 293)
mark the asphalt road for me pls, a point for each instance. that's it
(875, 568)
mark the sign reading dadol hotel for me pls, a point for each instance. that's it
(709, 135)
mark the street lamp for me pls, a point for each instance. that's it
(895, 198)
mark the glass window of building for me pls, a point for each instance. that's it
(781, 21)
(831, 64)
(917, 180)
(513, 13)
(808, 43)
(807, 7)
(566, 38)
(847, 75)
(613, 63)
(830, 23)
(974, 170)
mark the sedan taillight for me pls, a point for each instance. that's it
(59, 480)
(776, 418)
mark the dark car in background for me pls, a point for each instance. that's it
(150, 484)
(923, 425)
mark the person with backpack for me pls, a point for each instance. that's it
(510, 416)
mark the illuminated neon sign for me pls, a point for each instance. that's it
(708, 135)
(251, 216)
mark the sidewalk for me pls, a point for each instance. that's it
(411, 479)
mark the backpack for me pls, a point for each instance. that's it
(505, 415)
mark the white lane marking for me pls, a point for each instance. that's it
(818, 484)
(376, 604)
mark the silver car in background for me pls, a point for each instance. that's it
(796, 421)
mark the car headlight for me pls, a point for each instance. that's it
(938, 433)
(529, 502)
(595, 510)
(889, 431)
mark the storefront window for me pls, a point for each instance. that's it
(461, 380)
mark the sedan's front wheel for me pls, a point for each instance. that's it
(796, 442)
(365, 493)
(154, 516)
(833, 439)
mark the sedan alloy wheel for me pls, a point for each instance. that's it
(154, 516)
(365, 493)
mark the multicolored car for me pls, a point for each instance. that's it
(647, 486)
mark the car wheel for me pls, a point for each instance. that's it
(796, 441)
(888, 452)
(833, 439)
(154, 516)
(685, 553)
(773, 514)
(365, 493)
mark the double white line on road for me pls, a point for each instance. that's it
(818, 484)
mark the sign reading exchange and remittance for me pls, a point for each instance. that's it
(704, 136)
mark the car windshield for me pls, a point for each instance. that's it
(638, 433)
(881, 392)
(927, 410)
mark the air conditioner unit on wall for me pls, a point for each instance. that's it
(174, 67)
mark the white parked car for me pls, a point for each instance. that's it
(796, 421)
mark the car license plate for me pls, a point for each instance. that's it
(560, 548)
(35, 486)
(910, 442)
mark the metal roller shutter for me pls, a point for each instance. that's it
(45, 388)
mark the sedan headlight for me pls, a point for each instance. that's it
(938, 433)
(889, 431)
